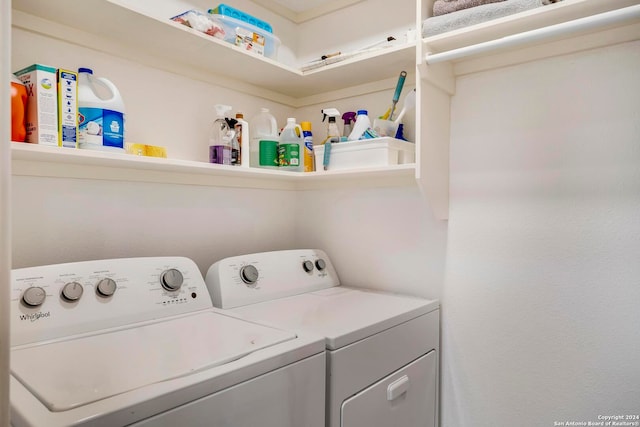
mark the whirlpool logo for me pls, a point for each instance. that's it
(35, 316)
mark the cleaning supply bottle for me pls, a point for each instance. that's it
(362, 124)
(220, 138)
(264, 140)
(100, 121)
(333, 133)
(18, 110)
(309, 158)
(291, 147)
(235, 144)
(348, 117)
(242, 137)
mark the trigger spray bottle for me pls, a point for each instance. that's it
(333, 134)
(221, 138)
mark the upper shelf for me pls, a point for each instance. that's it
(557, 13)
(178, 44)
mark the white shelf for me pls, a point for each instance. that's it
(562, 11)
(164, 43)
(55, 162)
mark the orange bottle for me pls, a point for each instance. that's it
(18, 110)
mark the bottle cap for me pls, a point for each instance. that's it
(85, 70)
(306, 126)
(362, 112)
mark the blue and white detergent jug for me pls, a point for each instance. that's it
(100, 121)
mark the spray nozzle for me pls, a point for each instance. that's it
(330, 112)
(348, 117)
(222, 109)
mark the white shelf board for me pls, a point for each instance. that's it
(181, 46)
(44, 161)
(556, 13)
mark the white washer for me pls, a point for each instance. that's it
(137, 342)
(382, 348)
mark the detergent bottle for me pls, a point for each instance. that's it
(221, 137)
(291, 147)
(362, 124)
(100, 120)
(264, 140)
(18, 110)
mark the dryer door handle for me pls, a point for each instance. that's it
(396, 388)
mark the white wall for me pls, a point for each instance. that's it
(540, 305)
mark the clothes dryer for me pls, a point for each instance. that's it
(382, 348)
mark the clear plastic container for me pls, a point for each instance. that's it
(247, 36)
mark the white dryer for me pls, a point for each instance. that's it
(382, 348)
(137, 342)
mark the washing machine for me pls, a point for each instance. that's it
(382, 349)
(137, 342)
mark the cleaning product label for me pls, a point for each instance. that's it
(100, 127)
(289, 155)
(268, 153)
(220, 154)
(309, 163)
(67, 108)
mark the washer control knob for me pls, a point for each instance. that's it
(321, 264)
(171, 279)
(106, 287)
(249, 274)
(34, 296)
(307, 266)
(72, 291)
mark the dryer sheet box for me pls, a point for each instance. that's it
(42, 104)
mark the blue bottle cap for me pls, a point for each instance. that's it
(362, 112)
(85, 70)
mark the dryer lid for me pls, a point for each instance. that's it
(67, 374)
(340, 314)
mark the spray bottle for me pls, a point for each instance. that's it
(221, 137)
(333, 133)
(348, 117)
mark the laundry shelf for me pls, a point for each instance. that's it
(534, 47)
(162, 43)
(44, 161)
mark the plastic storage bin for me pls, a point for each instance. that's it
(247, 36)
(224, 9)
(366, 153)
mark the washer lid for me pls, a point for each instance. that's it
(67, 374)
(342, 315)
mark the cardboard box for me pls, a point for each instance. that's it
(67, 108)
(366, 153)
(42, 104)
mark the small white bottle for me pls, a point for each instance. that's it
(362, 124)
(221, 137)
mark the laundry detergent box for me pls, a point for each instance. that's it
(42, 104)
(67, 108)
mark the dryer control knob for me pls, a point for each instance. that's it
(307, 266)
(249, 274)
(34, 296)
(321, 264)
(106, 287)
(72, 291)
(171, 279)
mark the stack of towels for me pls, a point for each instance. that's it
(450, 15)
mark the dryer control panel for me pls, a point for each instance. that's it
(249, 279)
(60, 300)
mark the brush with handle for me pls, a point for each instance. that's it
(409, 103)
(396, 95)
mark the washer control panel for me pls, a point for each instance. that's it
(253, 278)
(59, 300)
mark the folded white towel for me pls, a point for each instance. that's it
(475, 15)
(441, 7)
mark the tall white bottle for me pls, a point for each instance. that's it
(362, 124)
(244, 141)
(263, 147)
(100, 121)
